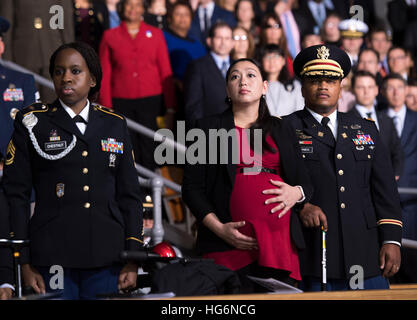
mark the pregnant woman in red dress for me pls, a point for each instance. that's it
(256, 227)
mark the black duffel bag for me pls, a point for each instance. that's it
(198, 277)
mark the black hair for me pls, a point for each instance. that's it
(120, 8)
(362, 73)
(218, 25)
(92, 60)
(391, 76)
(178, 3)
(369, 50)
(265, 121)
(284, 76)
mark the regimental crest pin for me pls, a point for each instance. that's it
(53, 135)
(112, 160)
(60, 190)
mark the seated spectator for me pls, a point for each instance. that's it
(272, 33)
(380, 40)
(398, 61)
(330, 32)
(206, 15)
(91, 19)
(284, 93)
(245, 16)
(137, 76)
(352, 32)
(114, 19)
(204, 83)
(244, 46)
(365, 89)
(155, 14)
(411, 98)
(311, 39)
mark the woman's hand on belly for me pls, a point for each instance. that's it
(229, 232)
(285, 195)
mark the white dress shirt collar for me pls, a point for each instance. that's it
(84, 114)
(332, 117)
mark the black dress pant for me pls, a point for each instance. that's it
(143, 111)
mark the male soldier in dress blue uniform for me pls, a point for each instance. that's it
(355, 196)
(17, 90)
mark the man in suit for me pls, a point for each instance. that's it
(205, 84)
(355, 198)
(206, 15)
(365, 90)
(397, 61)
(405, 120)
(311, 13)
(31, 40)
(380, 41)
(17, 90)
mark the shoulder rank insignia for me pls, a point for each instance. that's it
(107, 111)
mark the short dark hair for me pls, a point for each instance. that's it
(396, 48)
(362, 73)
(92, 60)
(284, 76)
(218, 25)
(183, 3)
(369, 50)
(392, 76)
(412, 82)
(120, 8)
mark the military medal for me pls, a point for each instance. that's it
(60, 190)
(112, 160)
(363, 139)
(111, 145)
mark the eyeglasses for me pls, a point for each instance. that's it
(237, 38)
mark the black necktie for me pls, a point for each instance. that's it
(78, 118)
(324, 122)
(206, 21)
(369, 115)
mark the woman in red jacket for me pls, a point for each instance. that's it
(137, 75)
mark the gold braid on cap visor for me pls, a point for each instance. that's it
(324, 67)
(351, 34)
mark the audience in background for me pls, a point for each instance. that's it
(114, 19)
(204, 83)
(244, 45)
(330, 32)
(380, 41)
(155, 14)
(206, 15)
(284, 93)
(411, 98)
(245, 16)
(137, 76)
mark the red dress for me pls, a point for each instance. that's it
(247, 203)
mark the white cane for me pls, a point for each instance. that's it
(323, 260)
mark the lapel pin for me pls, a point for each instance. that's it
(320, 134)
(60, 188)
